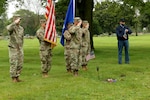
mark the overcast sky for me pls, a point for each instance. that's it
(32, 5)
(12, 8)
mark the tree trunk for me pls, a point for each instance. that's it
(84, 9)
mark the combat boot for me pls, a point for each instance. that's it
(84, 67)
(45, 74)
(18, 80)
(14, 79)
(75, 73)
(69, 70)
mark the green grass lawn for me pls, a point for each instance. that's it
(133, 80)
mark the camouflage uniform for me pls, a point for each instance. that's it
(75, 45)
(16, 33)
(45, 51)
(85, 45)
(67, 37)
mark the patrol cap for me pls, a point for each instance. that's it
(42, 20)
(85, 21)
(16, 15)
(77, 18)
(122, 20)
(69, 23)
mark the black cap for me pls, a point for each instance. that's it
(122, 20)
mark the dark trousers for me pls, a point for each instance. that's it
(121, 44)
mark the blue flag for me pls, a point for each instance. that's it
(68, 19)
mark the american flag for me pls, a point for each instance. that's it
(50, 30)
(90, 56)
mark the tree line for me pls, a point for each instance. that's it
(105, 16)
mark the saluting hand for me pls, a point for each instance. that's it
(79, 24)
(87, 26)
(17, 20)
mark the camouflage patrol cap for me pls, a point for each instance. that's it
(77, 18)
(42, 20)
(69, 23)
(16, 15)
(85, 21)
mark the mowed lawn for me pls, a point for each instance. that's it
(132, 80)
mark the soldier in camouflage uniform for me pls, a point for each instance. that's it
(45, 49)
(75, 45)
(85, 43)
(16, 34)
(67, 37)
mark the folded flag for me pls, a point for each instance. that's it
(90, 56)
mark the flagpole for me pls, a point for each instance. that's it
(54, 22)
(54, 1)
(54, 9)
(55, 15)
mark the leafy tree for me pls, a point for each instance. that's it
(136, 5)
(3, 23)
(105, 16)
(108, 14)
(3, 4)
(145, 15)
(61, 9)
(97, 30)
(133, 3)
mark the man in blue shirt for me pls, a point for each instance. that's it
(122, 32)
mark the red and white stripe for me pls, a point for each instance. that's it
(50, 30)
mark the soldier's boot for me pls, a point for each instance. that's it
(75, 73)
(69, 70)
(84, 67)
(18, 80)
(45, 74)
(14, 79)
